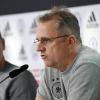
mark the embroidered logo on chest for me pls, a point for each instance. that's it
(56, 89)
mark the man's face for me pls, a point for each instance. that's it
(54, 52)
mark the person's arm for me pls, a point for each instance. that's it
(85, 83)
(23, 87)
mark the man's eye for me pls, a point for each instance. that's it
(46, 40)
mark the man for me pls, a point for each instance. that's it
(73, 70)
(22, 87)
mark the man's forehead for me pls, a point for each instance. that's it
(53, 22)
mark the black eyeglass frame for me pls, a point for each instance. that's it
(45, 40)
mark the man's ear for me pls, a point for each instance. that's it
(72, 39)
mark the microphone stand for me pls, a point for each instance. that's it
(4, 79)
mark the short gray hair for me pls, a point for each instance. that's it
(67, 22)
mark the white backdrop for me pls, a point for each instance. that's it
(19, 33)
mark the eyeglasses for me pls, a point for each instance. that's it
(46, 40)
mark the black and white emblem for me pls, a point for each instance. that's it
(56, 89)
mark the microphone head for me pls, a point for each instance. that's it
(23, 67)
(15, 72)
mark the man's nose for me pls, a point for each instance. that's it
(40, 47)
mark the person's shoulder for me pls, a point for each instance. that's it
(25, 78)
(26, 75)
(87, 58)
(88, 55)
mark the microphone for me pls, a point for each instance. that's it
(15, 72)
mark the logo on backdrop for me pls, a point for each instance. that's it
(22, 54)
(92, 17)
(7, 30)
(33, 27)
(21, 26)
(92, 21)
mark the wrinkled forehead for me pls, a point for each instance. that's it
(52, 22)
(48, 28)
